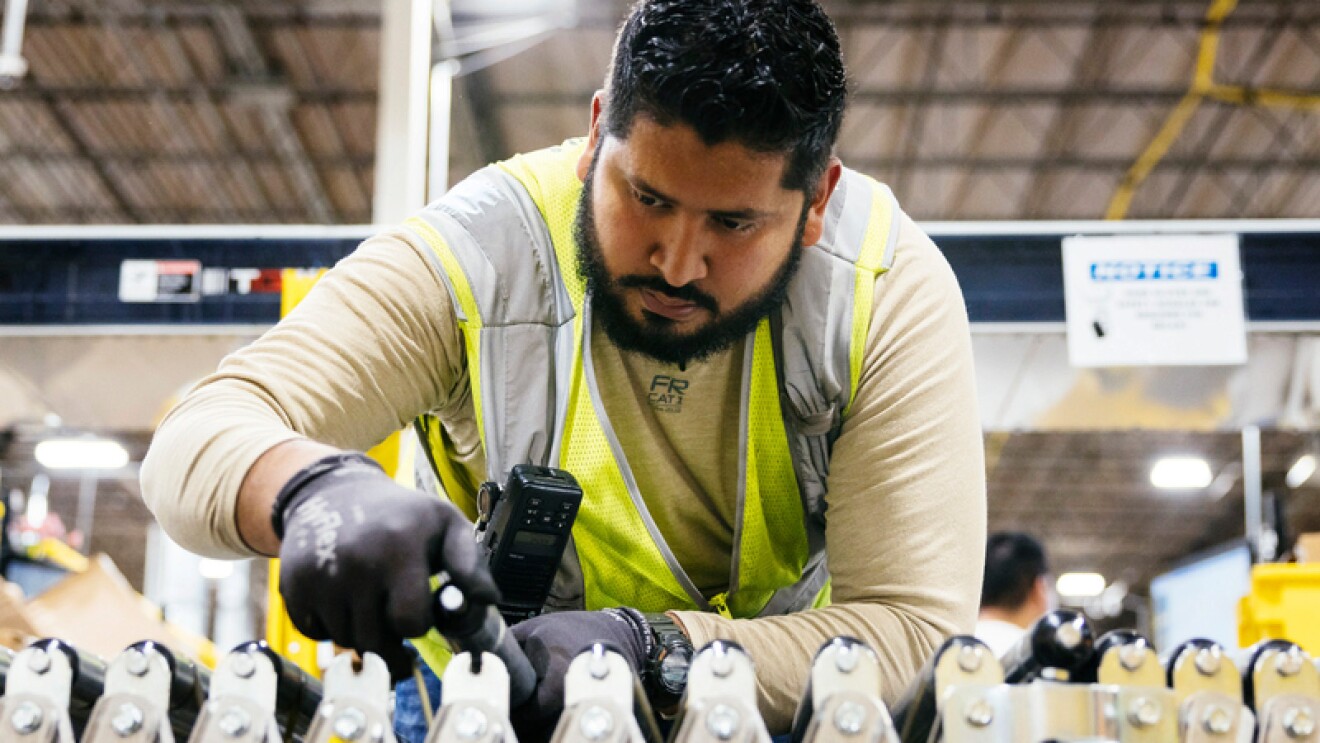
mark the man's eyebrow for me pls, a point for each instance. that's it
(749, 213)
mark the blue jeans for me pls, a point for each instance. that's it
(409, 721)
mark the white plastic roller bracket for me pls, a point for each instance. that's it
(354, 703)
(241, 704)
(600, 696)
(475, 706)
(134, 707)
(35, 708)
(719, 705)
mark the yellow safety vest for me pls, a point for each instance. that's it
(503, 242)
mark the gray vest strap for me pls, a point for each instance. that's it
(499, 238)
(813, 338)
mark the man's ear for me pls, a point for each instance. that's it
(820, 199)
(1042, 594)
(584, 162)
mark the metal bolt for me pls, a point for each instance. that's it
(1145, 712)
(127, 719)
(26, 718)
(350, 723)
(598, 666)
(1209, 660)
(970, 658)
(470, 723)
(596, 722)
(136, 662)
(722, 721)
(1218, 720)
(845, 659)
(979, 712)
(234, 721)
(1291, 662)
(722, 664)
(452, 598)
(1069, 635)
(39, 661)
(1298, 722)
(850, 718)
(1132, 656)
(243, 665)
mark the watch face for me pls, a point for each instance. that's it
(673, 671)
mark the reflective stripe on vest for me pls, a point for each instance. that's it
(503, 241)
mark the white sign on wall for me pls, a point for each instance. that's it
(160, 281)
(1154, 300)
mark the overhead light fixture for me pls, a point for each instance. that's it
(81, 454)
(1180, 473)
(1080, 585)
(1301, 471)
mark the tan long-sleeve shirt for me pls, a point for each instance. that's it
(376, 344)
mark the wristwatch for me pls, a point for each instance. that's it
(667, 668)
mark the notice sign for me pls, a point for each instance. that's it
(160, 281)
(1154, 300)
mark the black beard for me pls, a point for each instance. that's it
(654, 336)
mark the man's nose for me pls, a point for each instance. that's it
(680, 254)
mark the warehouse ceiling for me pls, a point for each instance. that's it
(179, 111)
(264, 111)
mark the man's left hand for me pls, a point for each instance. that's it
(551, 641)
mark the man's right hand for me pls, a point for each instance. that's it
(358, 551)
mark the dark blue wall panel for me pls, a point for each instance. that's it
(76, 281)
(1005, 278)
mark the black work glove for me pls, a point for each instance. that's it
(551, 641)
(358, 551)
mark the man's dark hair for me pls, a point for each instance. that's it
(1013, 562)
(767, 74)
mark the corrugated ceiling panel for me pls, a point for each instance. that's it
(279, 190)
(356, 127)
(564, 63)
(343, 57)
(346, 192)
(1292, 58)
(317, 128)
(246, 128)
(534, 127)
(204, 53)
(30, 126)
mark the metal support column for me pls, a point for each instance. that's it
(12, 65)
(401, 128)
(1251, 495)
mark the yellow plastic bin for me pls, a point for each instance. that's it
(1284, 604)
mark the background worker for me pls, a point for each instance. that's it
(811, 467)
(1016, 590)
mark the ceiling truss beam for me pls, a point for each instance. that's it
(242, 50)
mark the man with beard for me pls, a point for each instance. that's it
(719, 330)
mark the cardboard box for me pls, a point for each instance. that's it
(97, 611)
(16, 627)
(1308, 547)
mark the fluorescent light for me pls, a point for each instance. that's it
(1080, 585)
(38, 504)
(215, 569)
(1180, 473)
(1301, 471)
(81, 454)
